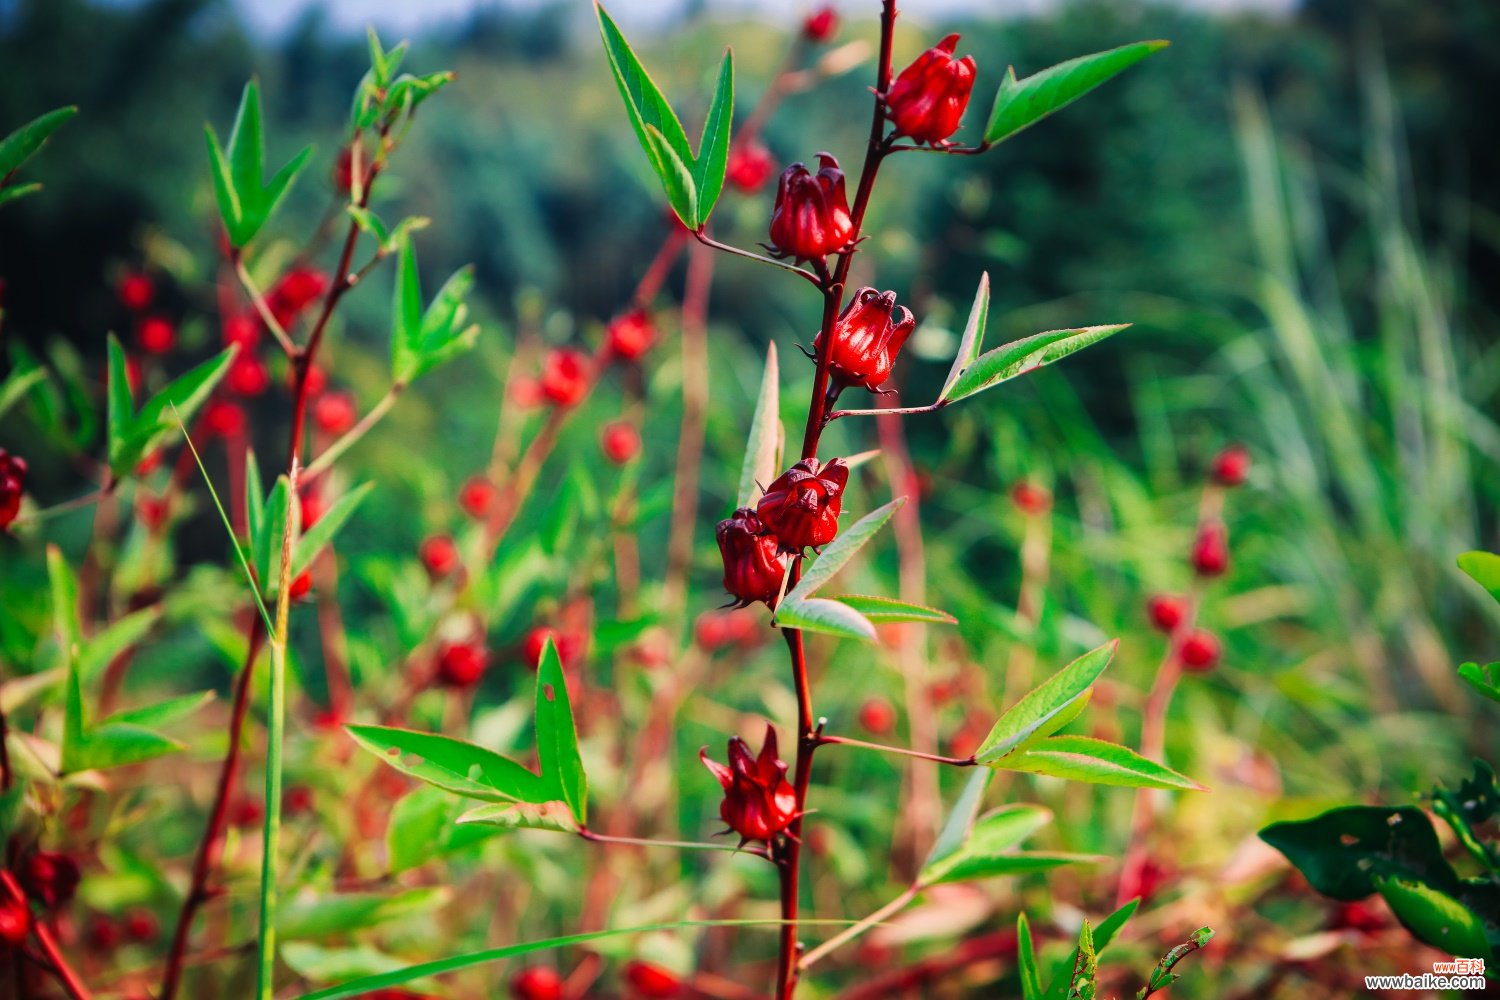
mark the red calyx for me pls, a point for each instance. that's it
(15, 921)
(753, 563)
(247, 375)
(1199, 652)
(811, 219)
(536, 983)
(652, 981)
(928, 98)
(801, 508)
(222, 418)
(461, 664)
(821, 25)
(335, 412)
(877, 716)
(565, 377)
(51, 877)
(156, 335)
(1030, 499)
(1211, 549)
(477, 497)
(750, 166)
(136, 291)
(1166, 612)
(12, 486)
(867, 337)
(439, 555)
(758, 800)
(630, 335)
(1231, 467)
(621, 441)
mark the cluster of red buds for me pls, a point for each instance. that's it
(799, 510)
(758, 800)
(50, 877)
(12, 486)
(154, 333)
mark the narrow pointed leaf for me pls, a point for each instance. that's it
(644, 101)
(1484, 569)
(1022, 356)
(1046, 705)
(843, 548)
(112, 640)
(960, 821)
(817, 614)
(972, 343)
(22, 144)
(556, 816)
(318, 537)
(1031, 976)
(17, 385)
(759, 467)
(557, 735)
(713, 147)
(15, 192)
(1021, 103)
(884, 610)
(456, 765)
(994, 833)
(676, 178)
(1083, 758)
(120, 405)
(163, 712)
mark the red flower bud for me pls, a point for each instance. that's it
(334, 412)
(1211, 549)
(758, 800)
(629, 336)
(715, 630)
(461, 664)
(15, 920)
(536, 983)
(297, 800)
(929, 96)
(311, 503)
(51, 877)
(153, 512)
(317, 380)
(439, 555)
(300, 586)
(224, 419)
(750, 166)
(569, 645)
(246, 812)
(811, 217)
(136, 291)
(156, 335)
(103, 933)
(1199, 651)
(241, 329)
(1358, 916)
(299, 288)
(247, 376)
(526, 392)
(1030, 499)
(565, 377)
(821, 24)
(1231, 466)
(1166, 612)
(621, 441)
(141, 926)
(478, 497)
(867, 336)
(877, 716)
(652, 981)
(801, 508)
(12, 486)
(753, 564)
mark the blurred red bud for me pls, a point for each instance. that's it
(439, 555)
(335, 413)
(630, 335)
(536, 983)
(750, 166)
(621, 441)
(1199, 651)
(877, 716)
(821, 25)
(1166, 612)
(1211, 549)
(247, 376)
(1231, 467)
(565, 377)
(136, 291)
(652, 981)
(461, 664)
(477, 497)
(12, 486)
(1030, 499)
(156, 335)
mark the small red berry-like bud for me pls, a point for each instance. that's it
(1146, 882)
(929, 96)
(565, 377)
(51, 877)
(652, 981)
(136, 291)
(312, 505)
(297, 800)
(630, 335)
(821, 25)
(156, 335)
(536, 983)
(753, 563)
(300, 586)
(477, 497)
(334, 412)
(1211, 549)
(327, 720)
(141, 926)
(811, 219)
(317, 380)
(758, 800)
(15, 921)
(12, 486)
(1231, 467)
(103, 933)
(621, 441)
(439, 555)
(1199, 651)
(246, 812)
(750, 166)
(1166, 612)
(461, 664)
(1358, 916)
(867, 336)
(877, 716)
(569, 645)
(222, 418)
(241, 329)
(299, 288)
(247, 376)
(153, 512)
(801, 508)
(1030, 499)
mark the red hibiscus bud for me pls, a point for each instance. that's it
(758, 800)
(1358, 916)
(311, 503)
(1146, 882)
(461, 664)
(877, 716)
(439, 555)
(629, 336)
(12, 486)
(1231, 466)
(317, 380)
(569, 645)
(1166, 612)
(750, 166)
(246, 812)
(536, 983)
(334, 412)
(247, 376)
(103, 933)
(821, 24)
(652, 981)
(929, 96)
(753, 564)
(241, 329)
(867, 336)
(1211, 549)
(565, 377)
(15, 921)
(1030, 499)
(1199, 652)
(141, 926)
(477, 497)
(811, 218)
(51, 877)
(300, 586)
(136, 291)
(297, 801)
(156, 335)
(621, 441)
(801, 508)
(224, 419)
(299, 288)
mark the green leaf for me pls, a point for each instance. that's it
(423, 827)
(557, 736)
(1343, 850)
(312, 916)
(17, 385)
(960, 821)
(1022, 356)
(266, 544)
(644, 101)
(1113, 924)
(843, 548)
(66, 624)
(994, 833)
(163, 712)
(246, 200)
(713, 146)
(882, 610)
(120, 405)
(109, 642)
(455, 765)
(763, 442)
(676, 178)
(1021, 103)
(556, 816)
(973, 339)
(1031, 976)
(180, 399)
(115, 745)
(1048, 707)
(1083, 758)
(1085, 967)
(817, 614)
(318, 537)
(1436, 918)
(1484, 569)
(323, 965)
(1485, 679)
(420, 341)
(407, 92)
(15, 192)
(22, 144)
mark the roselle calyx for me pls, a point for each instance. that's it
(928, 98)
(801, 508)
(12, 486)
(867, 337)
(758, 800)
(753, 563)
(811, 219)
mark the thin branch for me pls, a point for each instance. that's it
(853, 931)
(709, 241)
(262, 307)
(681, 845)
(66, 506)
(983, 147)
(331, 454)
(895, 411)
(903, 751)
(71, 984)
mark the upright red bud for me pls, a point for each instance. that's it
(753, 563)
(12, 486)
(801, 508)
(15, 921)
(652, 981)
(536, 983)
(1211, 549)
(867, 336)
(461, 664)
(439, 555)
(621, 441)
(1231, 467)
(1166, 612)
(477, 497)
(565, 377)
(758, 800)
(821, 25)
(50, 876)
(136, 291)
(811, 219)
(750, 166)
(630, 335)
(334, 412)
(156, 335)
(1199, 652)
(928, 98)
(247, 375)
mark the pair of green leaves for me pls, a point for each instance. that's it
(1076, 977)
(21, 145)
(692, 183)
(383, 95)
(423, 339)
(246, 200)
(131, 435)
(554, 798)
(1020, 104)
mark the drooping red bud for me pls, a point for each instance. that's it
(536, 983)
(565, 377)
(136, 291)
(15, 921)
(1231, 467)
(1166, 612)
(801, 508)
(877, 716)
(811, 217)
(1199, 652)
(758, 800)
(652, 981)
(1030, 499)
(750, 166)
(753, 563)
(1211, 549)
(156, 335)
(630, 335)
(141, 926)
(867, 336)
(928, 98)
(12, 486)
(439, 555)
(477, 497)
(461, 664)
(334, 412)
(51, 877)
(247, 375)
(223, 418)
(621, 441)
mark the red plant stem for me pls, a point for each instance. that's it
(71, 984)
(208, 848)
(790, 851)
(6, 777)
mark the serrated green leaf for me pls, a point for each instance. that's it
(1083, 758)
(1022, 356)
(759, 467)
(455, 765)
(1021, 103)
(817, 614)
(557, 736)
(884, 610)
(163, 712)
(556, 816)
(321, 534)
(842, 549)
(1046, 708)
(972, 342)
(22, 144)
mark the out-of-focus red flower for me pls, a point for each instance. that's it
(334, 412)
(539, 982)
(477, 497)
(651, 981)
(821, 25)
(630, 335)
(103, 933)
(51, 877)
(141, 926)
(343, 169)
(801, 508)
(1231, 467)
(439, 555)
(300, 586)
(298, 288)
(149, 463)
(1166, 612)
(242, 329)
(1358, 915)
(247, 375)
(461, 664)
(1146, 882)
(1030, 499)
(621, 441)
(867, 336)
(565, 377)
(1211, 549)
(136, 291)
(877, 716)
(156, 335)
(1199, 651)
(569, 645)
(753, 562)
(716, 630)
(15, 920)
(811, 219)
(297, 800)
(312, 505)
(153, 512)
(750, 166)
(526, 392)
(758, 800)
(222, 418)
(928, 98)
(317, 380)
(12, 486)
(246, 812)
